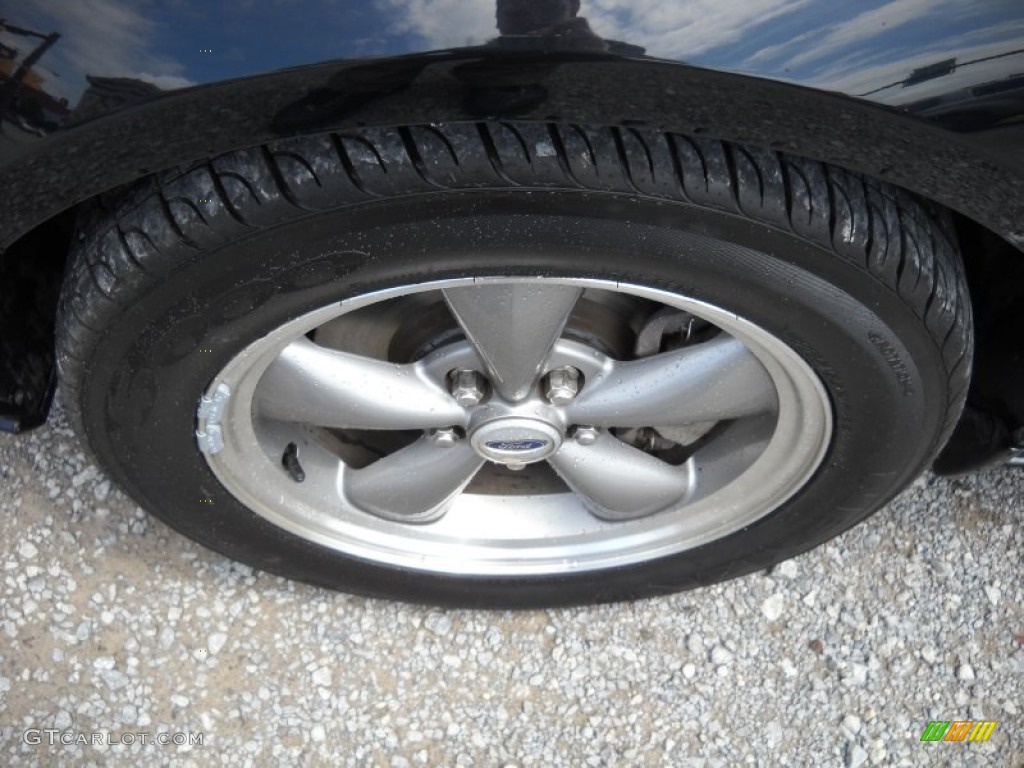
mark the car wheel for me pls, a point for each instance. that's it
(513, 364)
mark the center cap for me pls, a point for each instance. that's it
(515, 440)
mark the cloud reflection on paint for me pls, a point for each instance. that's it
(665, 29)
(108, 38)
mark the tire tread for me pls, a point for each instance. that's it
(129, 238)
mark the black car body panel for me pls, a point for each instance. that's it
(926, 94)
(955, 66)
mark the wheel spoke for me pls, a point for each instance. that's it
(312, 384)
(733, 450)
(415, 484)
(717, 380)
(617, 481)
(513, 327)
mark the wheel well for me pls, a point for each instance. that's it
(995, 401)
(31, 271)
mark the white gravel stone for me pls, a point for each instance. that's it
(101, 491)
(788, 569)
(695, 644)
(439, 624)
(851, 725)
(27, 550)
(720, 655)
(772, 607)
(858, 674)
(855, 756)
(83, 477)
(965, 672)
(166, 638)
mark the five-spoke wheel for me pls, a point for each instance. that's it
(666, 422)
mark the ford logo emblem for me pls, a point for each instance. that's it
(516, 445)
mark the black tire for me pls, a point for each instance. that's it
(862, 279)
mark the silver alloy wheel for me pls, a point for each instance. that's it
(752, 418)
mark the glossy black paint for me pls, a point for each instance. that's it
(927, 94)
(954, 65)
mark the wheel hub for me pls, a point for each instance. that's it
(515, 441)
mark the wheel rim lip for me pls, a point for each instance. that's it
(791, 458)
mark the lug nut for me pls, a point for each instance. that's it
(445, 438)
(562, 385)
(586, 435)
(468, 388)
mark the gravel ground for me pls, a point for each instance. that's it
(112, 623)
